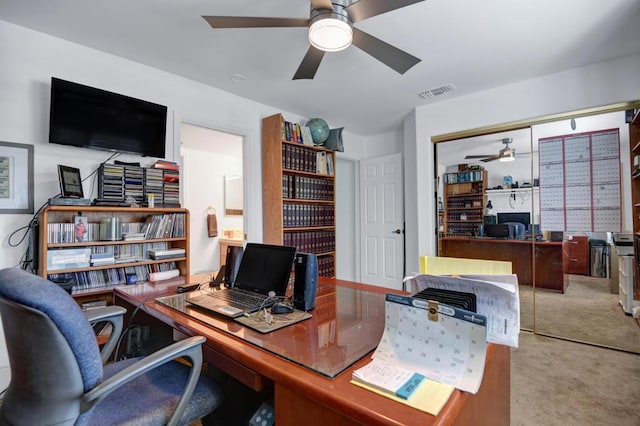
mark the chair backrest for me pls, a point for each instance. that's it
(53, 353)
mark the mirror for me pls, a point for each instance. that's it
(585, 304)
(233, 195)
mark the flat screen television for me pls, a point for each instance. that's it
(87, 117)
(521, 217)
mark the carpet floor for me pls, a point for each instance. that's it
(558, 382)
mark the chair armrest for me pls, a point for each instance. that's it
(114, 316)
(190, 348)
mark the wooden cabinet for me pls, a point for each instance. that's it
(576, 255)
(298, 194)
(464, 202)
(64, 260)
(634, 143)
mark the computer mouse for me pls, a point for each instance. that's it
(281, 308)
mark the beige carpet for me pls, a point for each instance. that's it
(557, 382)
(588, 311)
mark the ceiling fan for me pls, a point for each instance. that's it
(505, 154)
(331, 29)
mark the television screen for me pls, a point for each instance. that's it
(93, 118)
(521, 217)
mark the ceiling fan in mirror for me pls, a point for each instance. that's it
(330, 29)
(505, 154)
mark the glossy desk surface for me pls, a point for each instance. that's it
(346, 326)
(327, 343)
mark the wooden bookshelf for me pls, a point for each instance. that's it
(298, 197)
(53, 220)
(464, 202)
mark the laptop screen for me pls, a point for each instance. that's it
(265, 268)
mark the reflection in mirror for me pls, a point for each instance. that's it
(495, 219)
(596, 226)
(233, 195)
(583, 275)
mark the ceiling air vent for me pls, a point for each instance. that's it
(438, 91)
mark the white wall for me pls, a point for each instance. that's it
(347, 225)
(595, 85)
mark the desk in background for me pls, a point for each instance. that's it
(224, 243)
(346, 325)
(548, 258)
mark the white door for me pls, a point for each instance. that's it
(382, 221)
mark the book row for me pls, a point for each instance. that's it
(170, 225)
(305, 215)
(303, 159)
(114, 276)
(307, 188)
(117, 182)
(68, 258)
(295, 133)
(311, 241)
(463, 177)
(326, 266)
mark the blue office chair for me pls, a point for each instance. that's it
(57, 373)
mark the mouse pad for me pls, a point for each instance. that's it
(258, 322)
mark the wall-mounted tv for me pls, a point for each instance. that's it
(93, 118)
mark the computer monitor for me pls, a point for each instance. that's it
(521, 217)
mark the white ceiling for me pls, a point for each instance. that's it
(472, 44)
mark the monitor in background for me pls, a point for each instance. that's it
(510, 217)
(493, 230)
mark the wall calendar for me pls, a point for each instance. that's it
(580, 182)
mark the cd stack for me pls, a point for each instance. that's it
(110, 182)
(153, 185)
(134, 183)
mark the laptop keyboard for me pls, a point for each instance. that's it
(241, 299)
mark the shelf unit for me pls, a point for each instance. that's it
(92, 280)
(634, 143)
(464, 202)
(298, 202)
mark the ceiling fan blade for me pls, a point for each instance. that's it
(322, 4)
(391, 56)
(478, 156)
(364, 9)
(309, 65)
(252, 22)
(491, 158)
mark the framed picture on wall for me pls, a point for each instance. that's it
(16, 178)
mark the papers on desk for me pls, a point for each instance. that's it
(497, 298)
(444, 344)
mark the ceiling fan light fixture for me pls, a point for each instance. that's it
(508, 155)
(330, 32)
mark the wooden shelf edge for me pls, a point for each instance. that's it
(305, 201)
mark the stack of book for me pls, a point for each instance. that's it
(98, 259)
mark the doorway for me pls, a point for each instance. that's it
(208, 158)
(382, 221)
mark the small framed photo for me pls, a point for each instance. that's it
(80, 228)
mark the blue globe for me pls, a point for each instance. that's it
(319, 130)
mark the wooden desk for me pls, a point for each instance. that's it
(304, 396)
(548, 258)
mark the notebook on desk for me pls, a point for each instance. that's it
(261, 280)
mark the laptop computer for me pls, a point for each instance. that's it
(261, 281)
